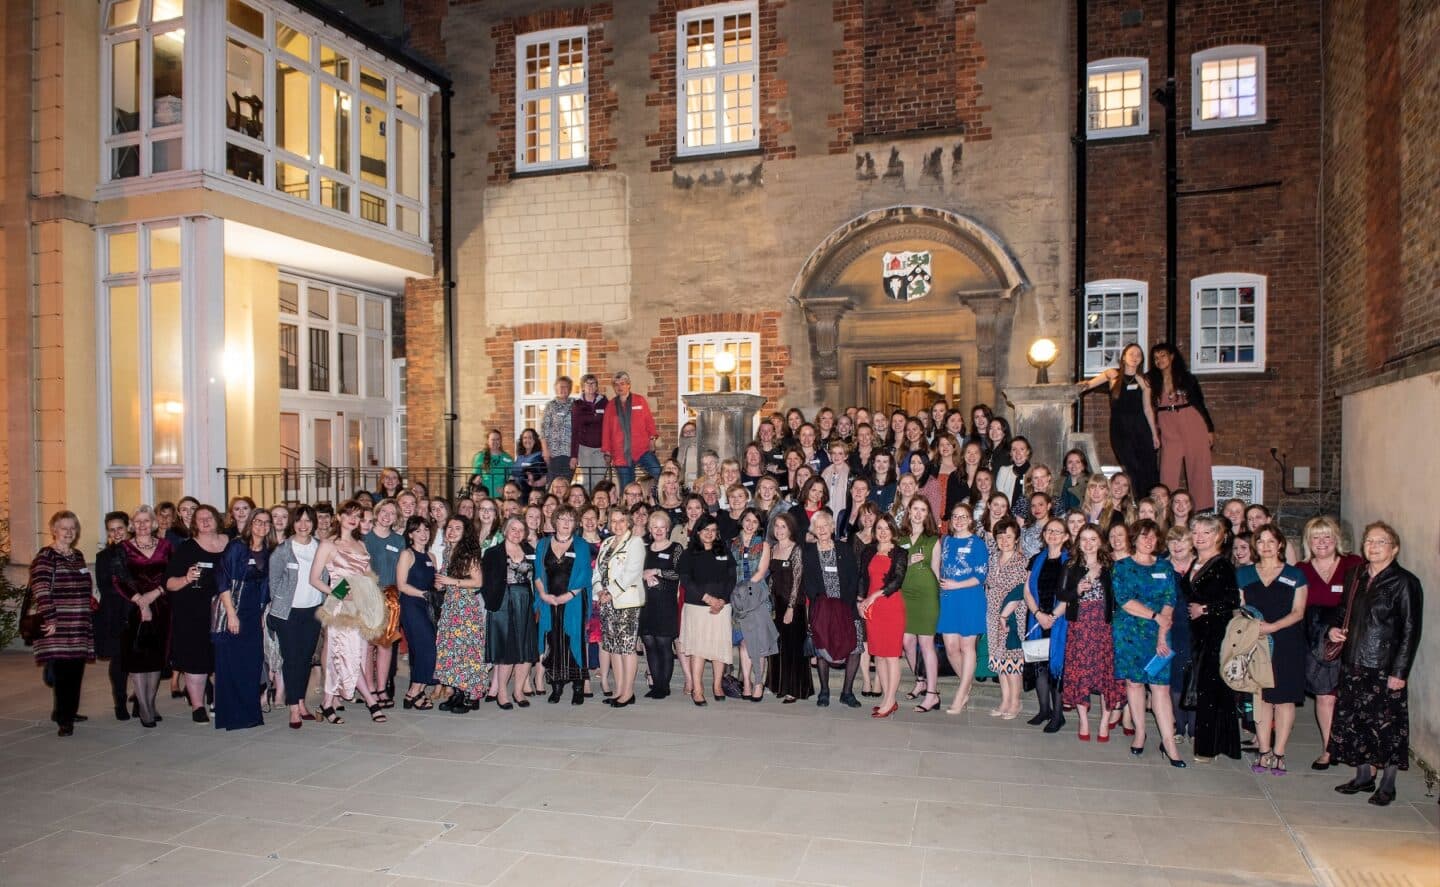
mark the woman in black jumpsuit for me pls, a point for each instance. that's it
(1133, 433)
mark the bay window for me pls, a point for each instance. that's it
(144, 51)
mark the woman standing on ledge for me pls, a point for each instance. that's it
(1133, 433)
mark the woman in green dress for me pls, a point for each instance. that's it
(921, 591)
(492, 464)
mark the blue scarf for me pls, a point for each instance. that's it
(1061, 628)
(577, 610)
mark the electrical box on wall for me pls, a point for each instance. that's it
(1302, 477)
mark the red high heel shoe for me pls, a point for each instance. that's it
(885, 712)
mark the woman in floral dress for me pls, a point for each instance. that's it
(1008, 570)
(460, 637)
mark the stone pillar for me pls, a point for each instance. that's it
(824, 314)
(723, 421)
(1044, 414)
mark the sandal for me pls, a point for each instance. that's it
(328, 716)
(920, 690)
(418, 702)
(1263, 763)
(384, 700)
(377, 713)
(923, 709)
(1277, 765)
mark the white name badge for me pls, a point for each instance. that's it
(85, 571)
(785, 563)
(905, 545)
(636, 407)
(392, 548)
(1287, 580)
(832, 569)
(965, 550)
(292, 566)
(663, 557)
(599, 412)
(1159, 575)
(251, 562)
(529, 557)
(1133, 386)
(205, 565)
(721, 557)
(570, 554)
(1337, 589)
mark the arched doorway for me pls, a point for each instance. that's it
(909, 291)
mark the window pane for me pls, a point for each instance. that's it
(168, 489)
(349, 363)
(165, 156)
(738, 43)
(125, 162)
(289, 297)
(167, 77)
(407, 160)
(317, 300)
(124, 375)
(334, 62)
(537, 131)
(407, 100)
(124, 259)
(571, 122)
(570, 62)
(700, 44)
(373, 152)
(244, 84)
(347, 309)
(290, 441)
(124, 12)
(165, 10)
(407, 219)
(374, 209)
(244, 164)
(292, 41)
(125, 86)
(373, 83)
(164, 247)
(374, 367)
(335, 195)
(246, 17)
(334, 128)
(292, 110)
(166, 375)
(324, 445)
(289, 356)
(319, 361)
(700, 111)
(125, 493)
(293, 181)
(537, 66)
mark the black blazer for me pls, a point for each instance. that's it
(812, 579)
(894, 577)
(492, 573)
(1069, 594)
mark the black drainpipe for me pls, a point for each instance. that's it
(1172, 203)
(1078, 141)
(447, 280)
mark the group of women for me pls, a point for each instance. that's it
(839, 544)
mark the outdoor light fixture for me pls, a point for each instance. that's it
(724, 364)
(1041, 354)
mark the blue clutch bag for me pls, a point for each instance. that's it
(1157, 665)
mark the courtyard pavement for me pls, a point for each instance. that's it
(665, 793)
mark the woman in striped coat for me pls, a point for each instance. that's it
(60, 583)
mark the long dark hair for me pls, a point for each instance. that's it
(1179, 369)
(467, 551)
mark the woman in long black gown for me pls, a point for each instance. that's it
(789, 676)
(660, 615)
(243, 579)
(562, 586)
(1213, 598)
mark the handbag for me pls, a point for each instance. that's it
(1330, 650)
(391, 633)
(1035, 649)
(31, 626)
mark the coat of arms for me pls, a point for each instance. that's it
(907, 275)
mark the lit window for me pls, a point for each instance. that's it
(1228, 86)
(345, 337)
(1115, 316)
(1117, 98)
(697, 365)
(717, 79)
(551, 85)
(1227, 322)
(538, 363)
(144, 51)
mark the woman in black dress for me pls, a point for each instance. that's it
(660, 616)
(1277, 590)
(562, 584)
(512, 641)
(191, 584)
(1134, 435)
(789, 675)
(108, 620)
(1213, 597)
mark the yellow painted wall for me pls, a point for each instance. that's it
(252, 348)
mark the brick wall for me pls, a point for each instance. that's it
(662, 359)
(1382, 314)
(1248, 204)
(425, 371)
(601, 99)
(908, 67)
(771, 46)
(500, 347)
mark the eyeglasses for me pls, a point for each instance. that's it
(1380, 541)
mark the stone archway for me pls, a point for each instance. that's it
(964, 317)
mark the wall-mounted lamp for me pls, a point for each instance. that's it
(1041, 354)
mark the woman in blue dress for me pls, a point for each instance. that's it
(1278, 591)
(1145, 601)
(243, 578)
(961, 560)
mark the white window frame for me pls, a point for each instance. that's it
(1222, 53)
(549, 347)
(146, 133)
(553, 92)
(1117, 287)
(309, 288)
(720, 340)
(400, 443)
(1261, 285)
(1231, 473)
(717, 14)
(1120, 65)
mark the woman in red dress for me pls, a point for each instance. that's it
(882, 568)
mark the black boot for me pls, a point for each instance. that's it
(555, 691)
(1042, 694)
(459, 703)
(1057, 709)
(577, 693)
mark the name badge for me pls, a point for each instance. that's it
(905, 545)
(292, 567)
(251, 562)
(1287, 580)
(636, 407)
(205, 565)
(529, 557)
(392, 548)
(84, 571)
(965, 550)
(785, 563)
(832, 569)
(721, 557)
(570, 554)
(1133, 386)
(663, 557)
(1337, 589)
(1159, 575)
(599, 412)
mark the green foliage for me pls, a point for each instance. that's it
(11, 596)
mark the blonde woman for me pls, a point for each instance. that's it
(1327, 563)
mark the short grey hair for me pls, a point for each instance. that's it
(621, 376)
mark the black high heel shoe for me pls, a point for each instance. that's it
(1174, 762)
(1137, 752)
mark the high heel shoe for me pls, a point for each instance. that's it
(885, 712)
(921, 689)
(1174, 762)
(417, 702)
(1137, 752)
(699, 703)
(377, 713)
(958, 709)
(925, 709)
